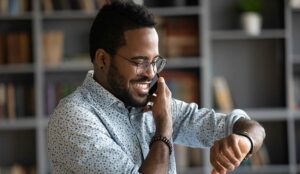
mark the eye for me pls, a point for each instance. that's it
(139, 59)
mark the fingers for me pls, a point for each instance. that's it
(215, 158)
(225, 155)
(214, 172)
(160, 84)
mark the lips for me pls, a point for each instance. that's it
(142, 88)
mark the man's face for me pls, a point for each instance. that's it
(125, 82)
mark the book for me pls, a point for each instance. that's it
(24, 50)
(181, 37)
(29, 99)
(12, 48)
(18, 48)
(4, 6)
(2, 100)
(48, 6)
(11, 103)
(53, 44)
(88, 6)
(19, 100)
(2, 49)
(222, 94)
(183, 85)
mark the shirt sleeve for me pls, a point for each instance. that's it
(79, 143)
(201, 127)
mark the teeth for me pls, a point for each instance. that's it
(142, 85)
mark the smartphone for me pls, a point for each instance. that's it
(153, 84)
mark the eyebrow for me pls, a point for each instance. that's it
(143, 57)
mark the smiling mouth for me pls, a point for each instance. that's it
(142, 87)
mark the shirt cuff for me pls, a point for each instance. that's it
(233, 117)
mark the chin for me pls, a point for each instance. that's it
(138, 101)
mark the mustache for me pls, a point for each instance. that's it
(142, 79)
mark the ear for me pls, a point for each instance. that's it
(102, 59)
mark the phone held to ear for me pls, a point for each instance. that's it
(153, 84)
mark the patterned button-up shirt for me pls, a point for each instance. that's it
(91, 131)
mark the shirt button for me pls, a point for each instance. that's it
(120, 105)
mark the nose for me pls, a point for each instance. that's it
(149, 71)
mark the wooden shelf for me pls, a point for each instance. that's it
(16, 68)
(18, 124)
(68, 15)
(274, 169)
(23, 16)
(267, 114)
(241, 35)
(176, 11)
(179, 63)
(69, 67)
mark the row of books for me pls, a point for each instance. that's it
(16, 100)
(179, 37)
(15, 48)
(17, 169)
(88, 6)
(55, 92)
(184, 85)
(14, 7)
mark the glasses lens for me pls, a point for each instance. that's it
(160, 64)
(157, 66)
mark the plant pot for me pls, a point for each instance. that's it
(251, 23)
(295, 4)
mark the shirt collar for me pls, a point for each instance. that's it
(99, 94)
(103, 97)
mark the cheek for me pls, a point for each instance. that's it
(128, 72)
(122, 73)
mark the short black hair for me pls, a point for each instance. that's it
(107, 31)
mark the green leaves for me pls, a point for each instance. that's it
(250, 5)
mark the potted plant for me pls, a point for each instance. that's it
(251, 19)
(295, 4)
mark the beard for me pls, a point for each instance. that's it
(121, 90)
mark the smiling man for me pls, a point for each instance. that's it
(106, 127)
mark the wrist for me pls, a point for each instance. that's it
(163, 139)
(164, 131)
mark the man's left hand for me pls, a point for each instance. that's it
(226, 154)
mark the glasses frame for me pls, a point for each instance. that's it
(145, 65)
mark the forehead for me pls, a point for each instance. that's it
(142, 40)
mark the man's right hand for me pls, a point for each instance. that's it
(162, 109)
(157, 161)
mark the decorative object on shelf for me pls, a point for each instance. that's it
(141, 2)
(223, 95)
(53, 42)
(251, 19)
(295, 4)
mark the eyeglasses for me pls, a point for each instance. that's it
(142, 65)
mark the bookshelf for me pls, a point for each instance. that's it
(265, 86)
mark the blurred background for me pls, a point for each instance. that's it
(221, 54)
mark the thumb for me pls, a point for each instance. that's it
(214, 171)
